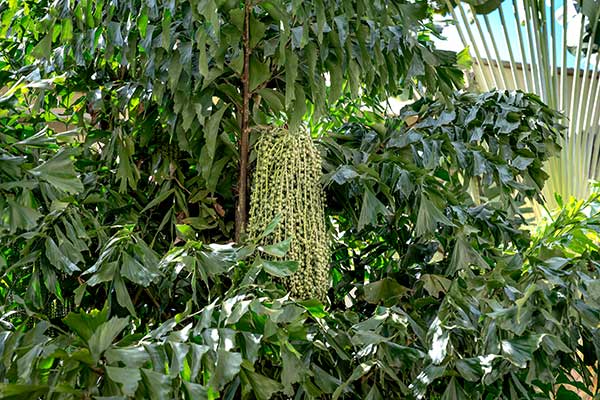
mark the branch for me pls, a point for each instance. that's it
(241, 213)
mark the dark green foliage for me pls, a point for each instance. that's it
(467, 305)
(118, 157)
(513, 332)
(437, 190)
(145, 96)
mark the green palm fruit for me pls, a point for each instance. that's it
(286, 183)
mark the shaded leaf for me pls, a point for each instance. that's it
(158, 385)
(429, 217)
(259, 73)
(262, 387)
(58, 171)
(384, 289)
(127, 377)
(227, 367)
(105, 334)
(435, 284)
(371, 209)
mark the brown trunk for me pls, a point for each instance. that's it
(241, 212)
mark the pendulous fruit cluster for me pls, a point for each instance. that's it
(286, 183)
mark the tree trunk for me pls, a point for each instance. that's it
(241, 212)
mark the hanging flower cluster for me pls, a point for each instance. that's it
(286, 183)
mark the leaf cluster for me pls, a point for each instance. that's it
(117, 276)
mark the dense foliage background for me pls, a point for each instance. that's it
(119, 150)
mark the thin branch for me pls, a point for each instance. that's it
(241, 212)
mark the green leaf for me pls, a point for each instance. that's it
(86, 323)
(344, 174)
(279, 249)
(105, 273)
(196, 391)
(565, 394)
(435, 284)
(438, 349)
(296, 114)
(236, 16)
(142, 22)
(271, 226)
(291, 73)
(202, 55)
(429, 217)
(59, 172)
(341, 22)
(315, 308)
(505, 126)
(214, 263)
(258, 74)
(485, 6)
(58, 259)
(127, 171)
(158, 385)
(197, 352)
(273, 98)
(384, 289)
(136, 272)
(211, 133)
(227, 367)
(520, 350)
(454, 391)
(521, 163)
(374, 394)
(129, 378)
(21, 217)
(297, 34)
(162, 196)
(132, 357)
(104, 336)
(292, 370)
(358, 372)
(174, 70)
(262, 387)
(464, 255)
(19, 391)
(401, 354)
(371, 209)
(325, 381)
(123, 297)
(215, 173)
(321, 19)
(427, 376)
(257, 31)
(553, 344)
(280, 269)
(463, 58)
(26, 362)
(66, 31)
(272, 7)
(44, 47)
(469, 368)
(417, 68)
(166, 30)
